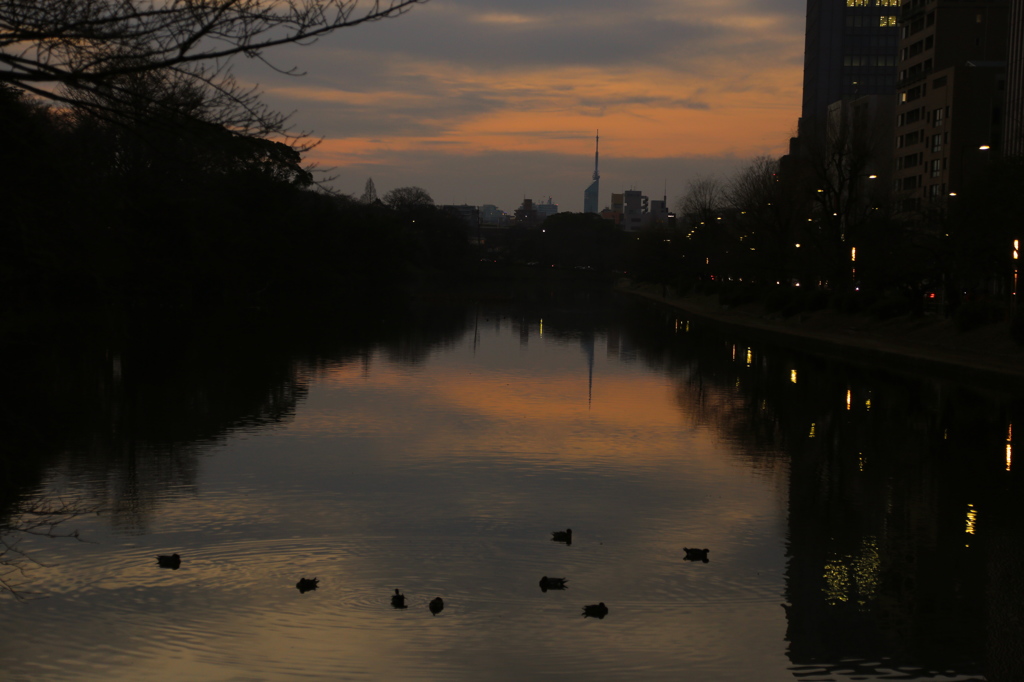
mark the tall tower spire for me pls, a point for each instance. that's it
(590, 195)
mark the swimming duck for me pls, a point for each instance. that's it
(306, 584)
(398, 600)
(173, 561)
(595, 610)
(696, 554)
(562, 536)
(436, 605)
(547, 583)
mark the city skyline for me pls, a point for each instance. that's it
(488, 103)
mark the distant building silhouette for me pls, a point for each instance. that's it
(526, 215)
(546, 209)
(591, 194)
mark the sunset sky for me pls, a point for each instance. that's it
(488, 101)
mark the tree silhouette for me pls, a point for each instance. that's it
(64, 50)
(369, 192)
(408, 197)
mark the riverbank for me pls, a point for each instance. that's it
(926, 343)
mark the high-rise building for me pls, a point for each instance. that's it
(850, 50)
(591, 194)
(1014, 138)
(951, 96)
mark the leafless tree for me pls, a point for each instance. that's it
(770, 209)
(407, 197)
(41, 518)
(838, 177)
(705, 197)
(84, 51)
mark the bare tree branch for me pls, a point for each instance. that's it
(85, 52)
(40, 518)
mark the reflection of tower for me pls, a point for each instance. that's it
(587, 343)
(592, 192)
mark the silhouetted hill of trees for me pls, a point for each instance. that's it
(163, 209)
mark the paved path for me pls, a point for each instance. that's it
(930, 345)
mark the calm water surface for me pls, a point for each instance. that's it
(862, 525)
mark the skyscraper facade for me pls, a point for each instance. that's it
(1015, 81)
(951, 96)
(593, 192)
(850, 50)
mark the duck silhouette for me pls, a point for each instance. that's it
(562, 536)
(547, 583)
(398, 600)
(173, 561)
(696, 554)
(595, 610)
(436, 605)
(306, 584)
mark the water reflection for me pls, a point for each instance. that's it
(435, 447)
(883, 573)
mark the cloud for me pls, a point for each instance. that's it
(453, 82)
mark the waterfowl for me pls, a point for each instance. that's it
(562, 536)
(595, 610)
(696, 554)
(436, 605)
(173, 561)
(306, 584)
(398, 600)
(547, 583)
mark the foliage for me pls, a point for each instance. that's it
(186, 218)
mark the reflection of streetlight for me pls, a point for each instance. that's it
(1016, 252)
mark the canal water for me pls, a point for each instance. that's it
(861, 524)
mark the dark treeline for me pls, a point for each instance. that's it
(159, 208)
(800, 234)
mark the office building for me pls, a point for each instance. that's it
(850, 50)
(1014, 135)
(951, 97)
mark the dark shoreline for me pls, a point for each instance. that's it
(920, 346)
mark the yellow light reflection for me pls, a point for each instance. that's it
(853, 577)
(734, 351)
(848, 397)
(867, 404)
(687, 325)
(750, 357)
(1009, 447)
(542, 326)
(811, 434)
(792, 376)
(972, 519)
